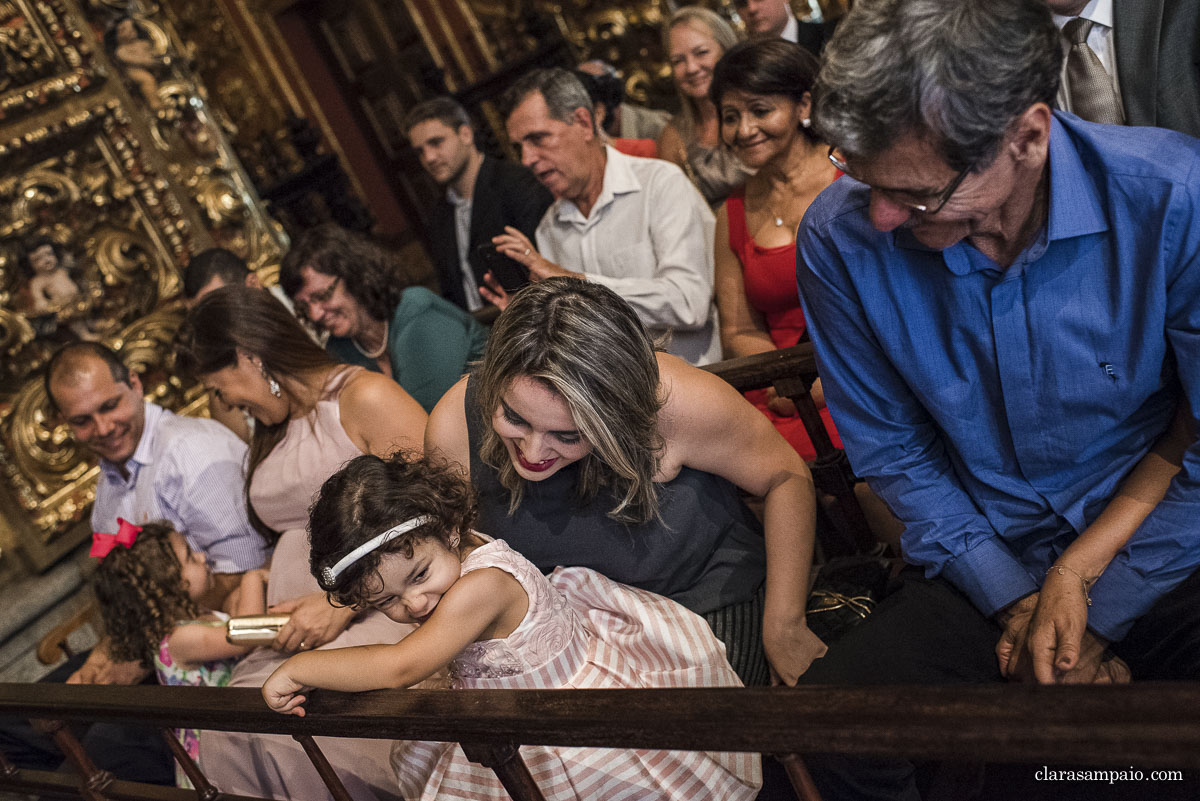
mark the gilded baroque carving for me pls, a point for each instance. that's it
(44, 57)
(144, 44)
(237, 90)
(89, 236)
(55, 482)
(625, 33)
(103, 195)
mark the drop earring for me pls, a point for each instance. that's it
(806, 122)
(272, 384)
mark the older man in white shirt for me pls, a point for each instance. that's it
(636, 225)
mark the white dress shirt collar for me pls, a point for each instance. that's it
(1098, 11)
(618, 180)
(791, 31)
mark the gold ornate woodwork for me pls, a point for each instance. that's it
(625, 33)
(241, 89)
(44, 57)
(114, 170)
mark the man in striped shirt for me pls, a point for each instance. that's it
(155, 465)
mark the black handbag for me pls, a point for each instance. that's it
(845, 593)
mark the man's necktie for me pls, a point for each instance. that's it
(1091, 87)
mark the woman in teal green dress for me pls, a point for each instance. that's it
(351, 288)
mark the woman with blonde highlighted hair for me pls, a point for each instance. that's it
(588, 447)
(694, 39)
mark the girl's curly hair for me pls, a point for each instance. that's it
(371, 495)
(141, 594)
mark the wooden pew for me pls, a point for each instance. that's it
(1150, 725)
(791, 371)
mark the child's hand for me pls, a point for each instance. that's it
(280, 691)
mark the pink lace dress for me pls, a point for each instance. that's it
(583, 630)
(313, 449)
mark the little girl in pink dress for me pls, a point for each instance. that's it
(149, 585)
(395, 535)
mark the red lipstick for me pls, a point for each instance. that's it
(534, 467)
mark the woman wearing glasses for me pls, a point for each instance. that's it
(762, 94)
(350, 287)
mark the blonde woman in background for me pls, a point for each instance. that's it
(695, 39)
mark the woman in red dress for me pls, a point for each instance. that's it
(761, 90)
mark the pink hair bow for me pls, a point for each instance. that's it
(103, 543)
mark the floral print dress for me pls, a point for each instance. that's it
(210, 674)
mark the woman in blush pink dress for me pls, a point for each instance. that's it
(312, 415)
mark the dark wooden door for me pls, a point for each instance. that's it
(382, 69)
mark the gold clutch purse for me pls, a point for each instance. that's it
(254, 629)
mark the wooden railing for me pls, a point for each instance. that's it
(791, 371)
(1151, 725)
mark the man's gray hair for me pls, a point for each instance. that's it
(956, 71)
(560, 88)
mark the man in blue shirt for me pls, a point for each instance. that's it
(1003, 299)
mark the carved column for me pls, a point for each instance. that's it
(114, 170)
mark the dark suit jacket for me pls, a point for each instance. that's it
(812, 36)
(505, 194)
(1158, 62)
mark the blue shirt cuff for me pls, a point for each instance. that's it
(1119, 597)
(990, 576)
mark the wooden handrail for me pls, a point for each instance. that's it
(764, 369)
(47, 784)
(1147, 724)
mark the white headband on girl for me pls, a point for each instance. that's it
(330, 574)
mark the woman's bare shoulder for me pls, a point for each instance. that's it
(446, 434)
(379, 416)
(692, 398)
(367, 390)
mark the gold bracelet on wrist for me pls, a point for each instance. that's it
(1087, 583)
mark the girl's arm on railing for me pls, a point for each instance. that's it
(466, 613)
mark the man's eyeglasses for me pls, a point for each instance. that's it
(321, 297)
(926, 204)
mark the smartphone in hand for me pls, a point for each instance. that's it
(512, 275)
